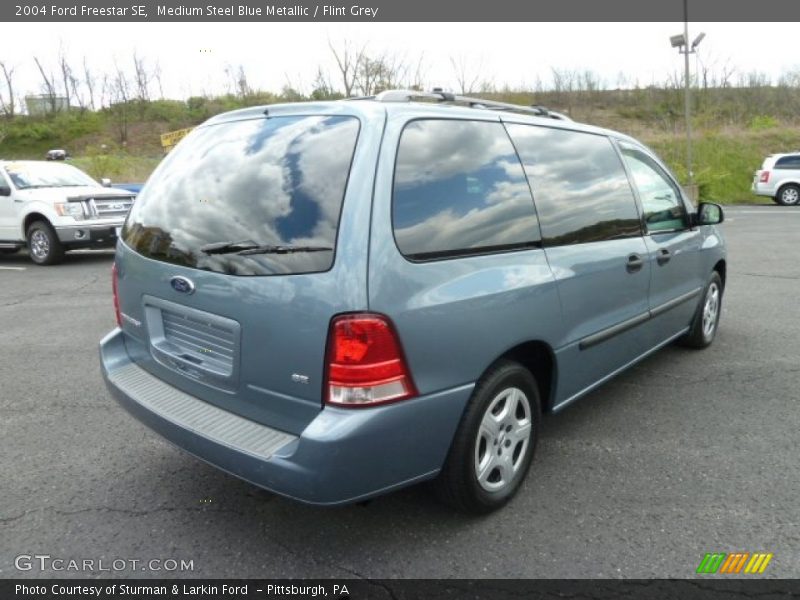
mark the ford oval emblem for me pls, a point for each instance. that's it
(182, 284)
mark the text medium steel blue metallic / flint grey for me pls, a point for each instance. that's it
(334, 300)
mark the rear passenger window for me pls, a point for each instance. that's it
(459, 189)
(580, 187)
(788, 162)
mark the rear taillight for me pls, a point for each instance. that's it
(116, 293)
(764, 177)
(365, 363)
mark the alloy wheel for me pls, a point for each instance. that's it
(503, 439)
(711, 310)
(40, 244)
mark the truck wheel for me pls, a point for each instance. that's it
(493, 447)
(789, 195)
(43, 244)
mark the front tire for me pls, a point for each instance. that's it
(43, 244)
(706, 319)
(494, 445)
(789, 195)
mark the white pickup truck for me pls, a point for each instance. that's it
(53, 207)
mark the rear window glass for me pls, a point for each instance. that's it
(459, 189)
(276, 182)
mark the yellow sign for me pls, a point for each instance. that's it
(169, 139)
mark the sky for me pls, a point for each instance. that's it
(193, 56)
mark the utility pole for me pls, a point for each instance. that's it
(681, 41)
(687, 92)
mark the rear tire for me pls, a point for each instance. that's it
(789, 195)
(706, 319)
(43, 244)
(494, 445)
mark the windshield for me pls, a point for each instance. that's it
(37, 175)
(253, 197)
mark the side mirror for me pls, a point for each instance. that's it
(709, 214)
(105, 182)
(5, 190)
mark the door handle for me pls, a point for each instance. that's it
(663, 257)
(635, 263)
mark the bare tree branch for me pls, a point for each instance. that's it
(348, 61)
(466, 79)
(89, 81)
(49, 85)
(7, 105)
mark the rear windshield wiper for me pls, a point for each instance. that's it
(247, 247)
(227, 247)
(283, 250)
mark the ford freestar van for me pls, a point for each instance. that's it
(334, 300)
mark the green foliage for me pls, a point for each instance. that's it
(31, 137)
(168, 111)
(724, 162)
(761, 122)
(119, 167)
(734, 127)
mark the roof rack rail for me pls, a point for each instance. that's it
(441, 96)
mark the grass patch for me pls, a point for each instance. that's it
(119, 168)
(724, 161)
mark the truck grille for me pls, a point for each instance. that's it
(208, 345)
(110, 208)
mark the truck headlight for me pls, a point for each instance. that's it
(71, 209)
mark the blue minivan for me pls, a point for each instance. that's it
(334, 300)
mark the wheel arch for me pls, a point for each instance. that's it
(785, 182)
(721, 267)
(29, 219)
(538, 357)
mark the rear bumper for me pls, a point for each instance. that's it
(342, 456)
(763, 189)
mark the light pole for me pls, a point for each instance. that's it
(681, 41)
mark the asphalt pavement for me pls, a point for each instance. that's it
(689, 452)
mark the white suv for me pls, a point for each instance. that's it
(779, 178)
(53, 207)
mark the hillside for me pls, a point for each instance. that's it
(731, 137)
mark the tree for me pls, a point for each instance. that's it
(48, 84)
(120, 94)
(77, 94)
(416, 80)
(7, 103)
(243, 88)
(466, 78)
(348, 60)
(322, 89)
(157, 77)
(90, 82)
(564, 83)
(141, 78)
(66, 75)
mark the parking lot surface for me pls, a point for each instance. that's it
(687, 453)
